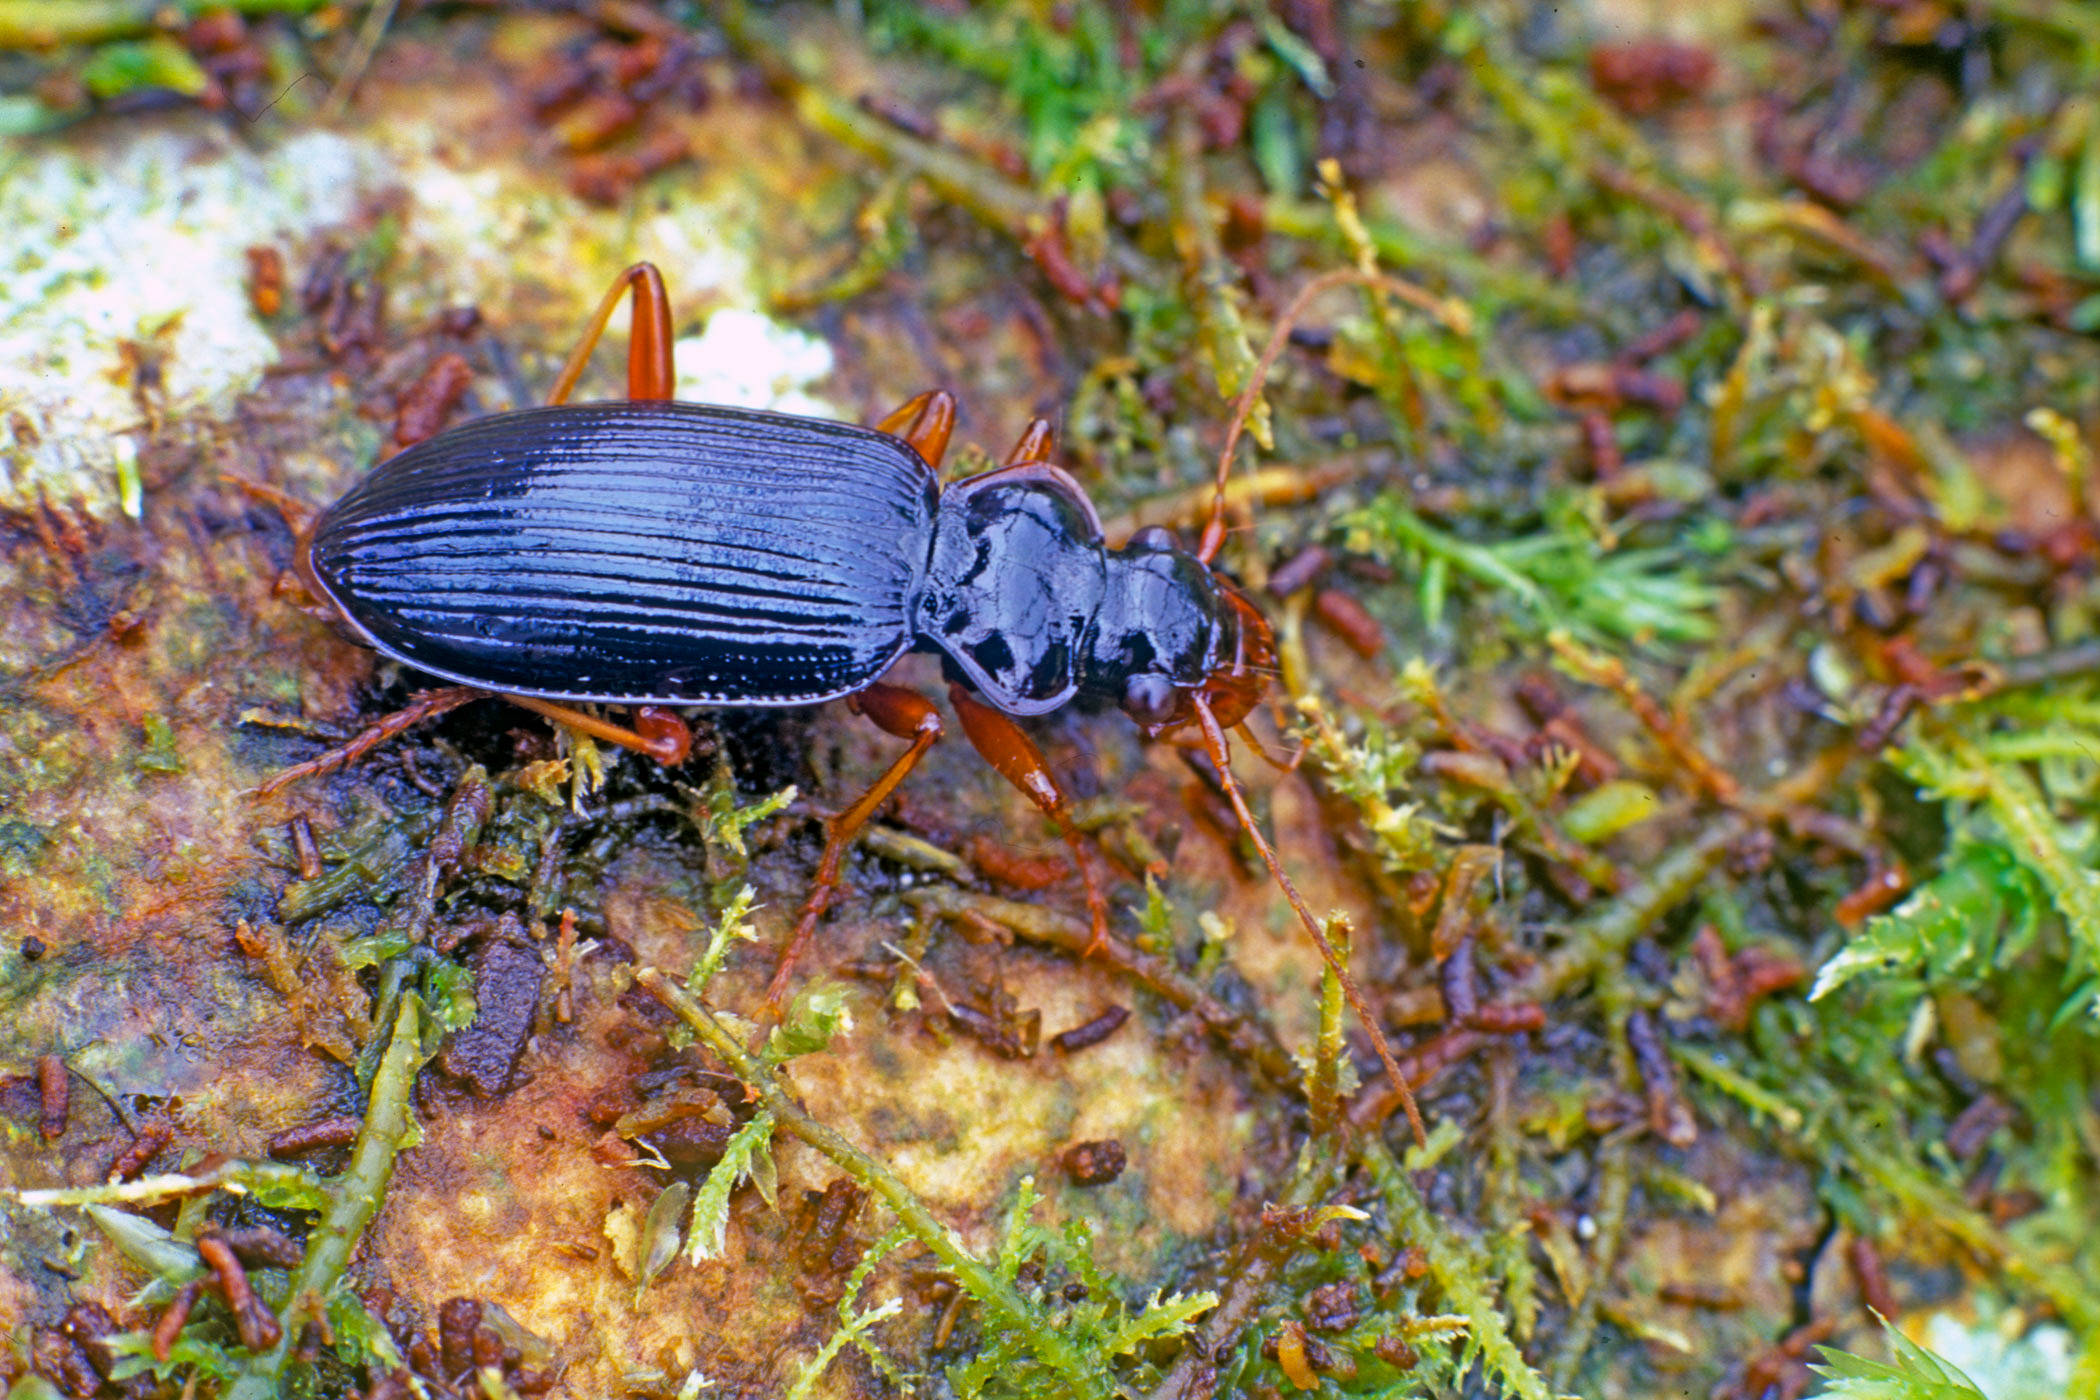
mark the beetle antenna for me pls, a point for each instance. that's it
(1221, 755)
(1452, 314)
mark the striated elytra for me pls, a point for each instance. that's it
(637, 551)
(655, 551)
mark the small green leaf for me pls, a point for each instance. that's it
(1982, 910)
(1298, 54)
(1916, 1375)
(723, 823)
(158, 62)
(659, 1243)
(191, 1356)
(710, 1228)
(1160, 1318)
(1155, 919)
(1608, 809)
(1560, 577)
(1022, 1236)
(359, 1336)
(733, 927)
(147, 1244)
(163, 753)
(374, 949)
(818, 1014)
(1277, 153)
(448, 988)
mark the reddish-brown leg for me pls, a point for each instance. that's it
(925, 421)
(1030, 460)
(1004, 744)
(297, 513)
(1007, 747)
(425, 707)
(650, 374)
(897, 711)
(297, 587)
(422, 709)
(657, 732)
(1037, 442)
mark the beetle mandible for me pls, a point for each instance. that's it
(650, 553)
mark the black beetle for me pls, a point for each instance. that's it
(652, 553)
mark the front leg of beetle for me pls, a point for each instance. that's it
(1007, 747)
(1004, 744)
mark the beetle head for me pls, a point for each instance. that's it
(1239, 663)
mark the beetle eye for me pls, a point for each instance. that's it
(1150, 698)
(1154, 538)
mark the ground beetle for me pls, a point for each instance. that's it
(651, 553)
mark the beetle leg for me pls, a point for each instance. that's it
(925, 421)
(895, 710)
(427, 706)
(298, 587)
(1007, 747)
(650, 374)
(658, 733)
(297, 513)
(1037, 444)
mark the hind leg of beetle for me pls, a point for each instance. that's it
(925, 421)
(1007, 747)
(650, 373)
(897, 711)
(658, 733)
(424, 708)
(299, 588)
(297, 513)
(296, 586)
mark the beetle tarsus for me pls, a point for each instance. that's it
(1097, 943)
(297, 513)
(424, 708)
